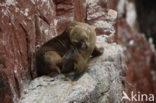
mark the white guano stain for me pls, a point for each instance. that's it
(55, 22)
(16, 9)
(89, 2)
(120, 7)
(24, 23)
(15, 99)
(95, 15)
(33, 2)
(46, 32)
(11, 2)
(131, 14)
(112, 14)
(102, 24)
(26, 12)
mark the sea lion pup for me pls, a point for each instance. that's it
(68, 51)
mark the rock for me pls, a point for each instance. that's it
(69, 10)
(103, 20)
(100, 82)
(56, 90)
(27, 25)
(45, 27)
(113, 4)
(17, 45)
(24, 26)
(4, 89)
(139, 50)
(146, 18)
(141, 59)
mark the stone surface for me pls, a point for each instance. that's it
(103, 20)
(146, 18)
(17, 45)
(26, 25)
(102, 81)
(50, 90)
(69, 10)
(140, 59)
(139, 51)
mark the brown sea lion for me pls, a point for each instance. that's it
(68, 51)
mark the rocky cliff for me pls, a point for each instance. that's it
(139, 50)
(26, 25)
(100, 83)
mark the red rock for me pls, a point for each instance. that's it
(5, 91)
(21, 25)
(102, 19)
(139, 56)
(146, 18)
(80, 10)
(69, 10)
(25, 26)
(44, 21)
(112, 4)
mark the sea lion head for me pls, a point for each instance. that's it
(79, 37)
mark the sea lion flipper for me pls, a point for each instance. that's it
(67, 58)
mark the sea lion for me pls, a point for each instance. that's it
(68, 51)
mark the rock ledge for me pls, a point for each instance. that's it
(101, 82)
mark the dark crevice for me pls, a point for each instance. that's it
(86, 13)
(2, 87)
(2, 64)
(33, 63)
(0, 29)
(27, 46)
(26, 35)
(36, 30)
(14, 32)
(44, 19)
(146, 16)
(17, 83)
(18, 89)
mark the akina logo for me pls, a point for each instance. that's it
(138, 97)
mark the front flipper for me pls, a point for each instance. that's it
(80, 66)
(67, 62)
(73, 61)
